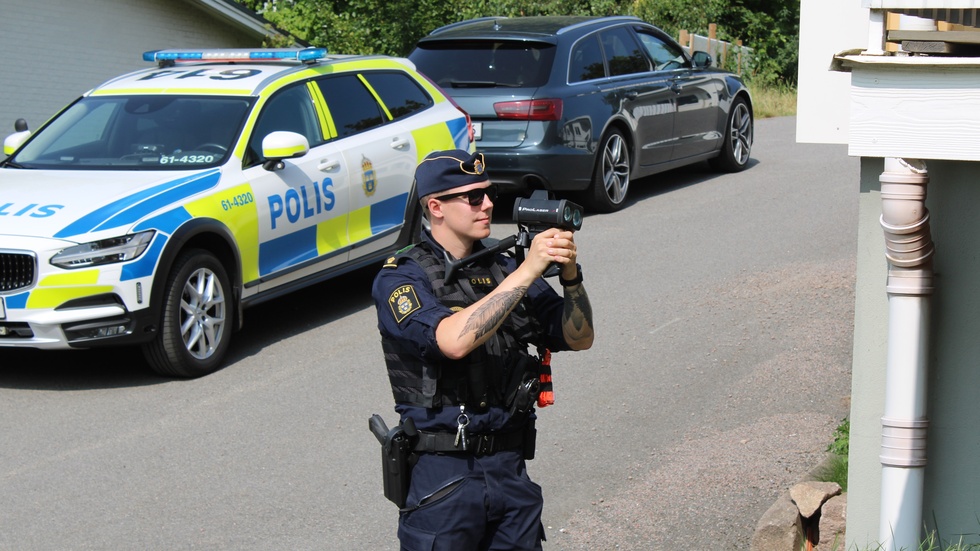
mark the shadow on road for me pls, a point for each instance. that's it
(74, 369)
(265, 324)
(303, 310)
(673, 180)
(639, 190)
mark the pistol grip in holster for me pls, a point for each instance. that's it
(397, 446)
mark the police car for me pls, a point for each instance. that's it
(159, 205)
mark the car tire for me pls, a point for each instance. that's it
(611, 179)
(196, 318)
(737, 146)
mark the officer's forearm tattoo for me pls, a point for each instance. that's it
(488, 316)
(578, 309)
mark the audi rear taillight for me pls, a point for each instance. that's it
(529, 110)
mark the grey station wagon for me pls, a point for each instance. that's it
(587, 104)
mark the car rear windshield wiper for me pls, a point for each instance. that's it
(481, 84)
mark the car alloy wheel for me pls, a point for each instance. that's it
(195, 329)
(735, 151)
(740, 133)
(611, 181)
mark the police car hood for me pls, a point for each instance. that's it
(68, 205)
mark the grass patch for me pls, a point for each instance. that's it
(836, 468)
(835, 471)
(773, 101)
(934, 543)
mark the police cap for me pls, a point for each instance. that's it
(442, 170)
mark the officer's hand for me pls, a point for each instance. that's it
(553, 245)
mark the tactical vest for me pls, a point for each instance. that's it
(488, 376)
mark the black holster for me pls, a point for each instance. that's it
(530, 439)
(396, 457)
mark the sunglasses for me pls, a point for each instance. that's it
(474, 196)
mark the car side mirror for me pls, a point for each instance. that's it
(13, 142)
(281, 145)
(702, 59)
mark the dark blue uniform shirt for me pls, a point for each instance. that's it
(418, 328)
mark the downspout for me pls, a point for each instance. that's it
(909, 250)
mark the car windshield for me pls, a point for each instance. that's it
(471, 64)
(161, 132)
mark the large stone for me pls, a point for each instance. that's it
(780, 528)
(809, 496)
(833, 518)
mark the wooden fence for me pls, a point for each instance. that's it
(954, 26)
(719, 49)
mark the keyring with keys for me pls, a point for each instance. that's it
(461, 421)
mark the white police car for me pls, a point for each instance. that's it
(157, 206)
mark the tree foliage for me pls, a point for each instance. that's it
(769, 27)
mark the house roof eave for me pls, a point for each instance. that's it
(848, 60)
(243, 18)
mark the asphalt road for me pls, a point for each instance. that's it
(723, 311)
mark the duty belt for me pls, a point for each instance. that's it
(476, 444)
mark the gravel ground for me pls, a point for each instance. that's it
(710, 488)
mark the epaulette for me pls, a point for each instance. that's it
(393, 261)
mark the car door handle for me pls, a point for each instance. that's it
(399, 143)
(327, 165)
(632, 94)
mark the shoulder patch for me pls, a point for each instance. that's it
(390, 262)
(403, 301)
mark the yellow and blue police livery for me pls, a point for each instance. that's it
(158, 206)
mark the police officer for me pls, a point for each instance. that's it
(464, 358)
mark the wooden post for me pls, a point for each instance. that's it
(891, 24)
(684, 39)
(712, 42)
(739, 44)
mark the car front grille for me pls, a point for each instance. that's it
(16, 271)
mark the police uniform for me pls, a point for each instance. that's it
(469, 487)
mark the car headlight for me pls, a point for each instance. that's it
(106, 251)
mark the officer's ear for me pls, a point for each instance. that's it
(433, 206)
(424, 203)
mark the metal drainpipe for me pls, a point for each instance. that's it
(909, 250)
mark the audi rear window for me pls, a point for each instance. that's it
(485, 64)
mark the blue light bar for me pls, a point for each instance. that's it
(237, 54)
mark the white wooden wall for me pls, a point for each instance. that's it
(54, 50)
(827, 27)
